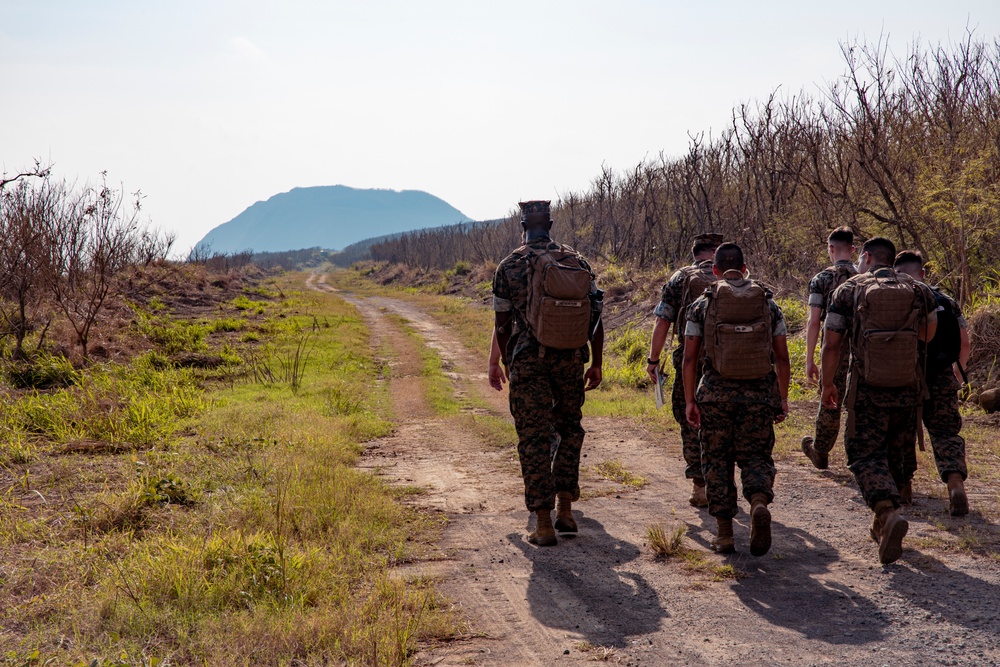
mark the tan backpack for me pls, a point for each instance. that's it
(887, 313)
(737, 330)
(697, 279)
(558, 312)
(841, 274)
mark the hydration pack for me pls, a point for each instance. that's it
(558, 312)
(887, 312)
(738, 330)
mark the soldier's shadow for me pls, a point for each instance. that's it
(782, 588)
(576, 587)
(946, 594)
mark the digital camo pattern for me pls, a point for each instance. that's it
(713, 387)
(823, 284)
(546, 394)
(943, 420)
(672, 297)
(828, 419)
(510, 293)
(840, 318)
(732, 435)
(875, 451)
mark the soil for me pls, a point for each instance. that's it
(820, 597)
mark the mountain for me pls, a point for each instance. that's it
(329, 216)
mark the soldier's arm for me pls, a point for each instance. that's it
(692, 348)
(930, 323)
(965, 346)
(832, 342)
(661, 329)
(594, 375)
(783, 368)
(501, 328)
(812, 337)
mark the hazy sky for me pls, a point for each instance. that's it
(208, 106)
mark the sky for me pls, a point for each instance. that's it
(207, 106)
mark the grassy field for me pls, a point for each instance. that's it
(156, 515)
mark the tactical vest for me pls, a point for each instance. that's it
(558, 309)
(737, 330)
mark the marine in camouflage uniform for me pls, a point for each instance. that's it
(737, 424)
(821, 288)
(546, 385)
(669, 312)
(940, 410)
(881, 416)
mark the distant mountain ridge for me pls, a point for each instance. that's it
(328, 216)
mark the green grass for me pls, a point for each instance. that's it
(616, 472)
(241, 532)
(438, 387)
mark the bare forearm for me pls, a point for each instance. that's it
(597, 346)
(660, 332)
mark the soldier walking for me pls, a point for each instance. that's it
(742, 393)
(884, 314)
(840, 247)
(546, 302)
(683, 287)
(947, 356)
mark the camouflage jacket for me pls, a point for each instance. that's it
(714, 388)
(671, 297)
(840, 318)
(823, 284)
(510, 294)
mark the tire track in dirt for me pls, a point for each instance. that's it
(819, 597)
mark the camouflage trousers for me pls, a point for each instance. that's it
(943, 422)
(690, 442)
(828, 419)
(875, 451)
(736, 434)
(546, 395)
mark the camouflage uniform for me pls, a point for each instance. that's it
(941, 415)
(546, 391)
(737, 424)
(882, 416)
(821, 288)
(668, 309)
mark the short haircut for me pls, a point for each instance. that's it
(842, 235)
(909, 257)
(729, 257)
(703, 246)
(881, 250)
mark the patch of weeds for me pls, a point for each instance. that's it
(666, 544)
(228, 325)
(244, 304)
(613, 470)
(172, 336)
(625, 357)
(168, 490)
(698, 562)
(495, 432)
(42, 371)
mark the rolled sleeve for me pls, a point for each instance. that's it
(836, 322)
(694, 329)
(665, 311)
(961, 322)
(780, 328)
(816, 300)
(502, 305)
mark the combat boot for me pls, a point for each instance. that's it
(724, 542)
(699, 494)
(958, 501)
(894, 527)
(906, 494)
(760, 525)
(565, 523)
(876, 529)
(819, 460)
(545, 534)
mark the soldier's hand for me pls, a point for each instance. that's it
(592, 377)
(651, 371)
(812, 372)
(497, 375)
(830, 397)
(780, 417)
(693, 415)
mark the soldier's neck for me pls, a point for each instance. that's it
(535, 235)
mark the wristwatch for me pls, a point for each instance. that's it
(652, 362)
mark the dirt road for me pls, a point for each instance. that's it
(818, 598)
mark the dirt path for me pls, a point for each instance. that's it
(820, 597)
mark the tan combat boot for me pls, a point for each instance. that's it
(699, 495)
(958, 501)
(894, 527)
(906, 494)
(819, 460)
(760, 525)
(876, 530)
(565, 523)
(724, 542)
(545, 534)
